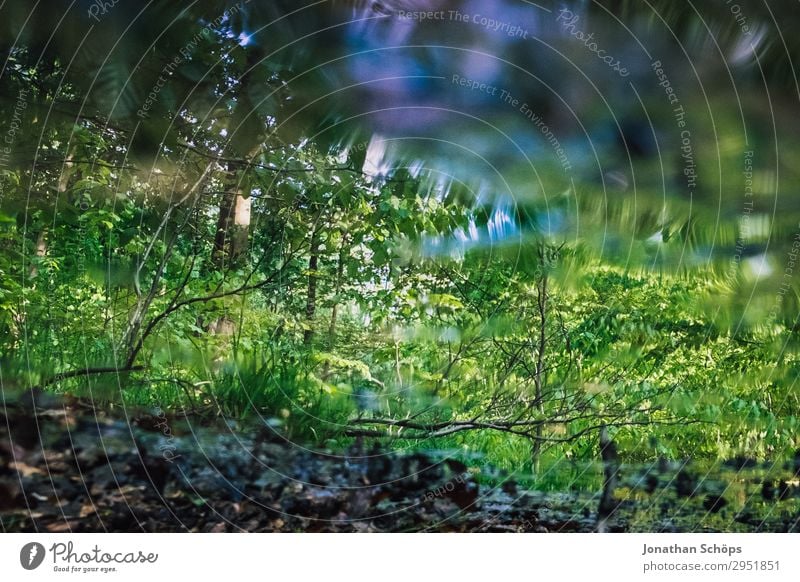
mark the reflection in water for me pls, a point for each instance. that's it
(501, 227)
(535, 115)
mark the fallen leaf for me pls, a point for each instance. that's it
(25, 470)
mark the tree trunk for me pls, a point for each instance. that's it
(608, 452)
(539, 378)
(311, 296)
(230, 240)
(39, 253)
(337, 290)
(61, 188)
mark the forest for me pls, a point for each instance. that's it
(428, 265)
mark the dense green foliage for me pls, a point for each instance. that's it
(219, 257)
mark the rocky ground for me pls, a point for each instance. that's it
(65, 467)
